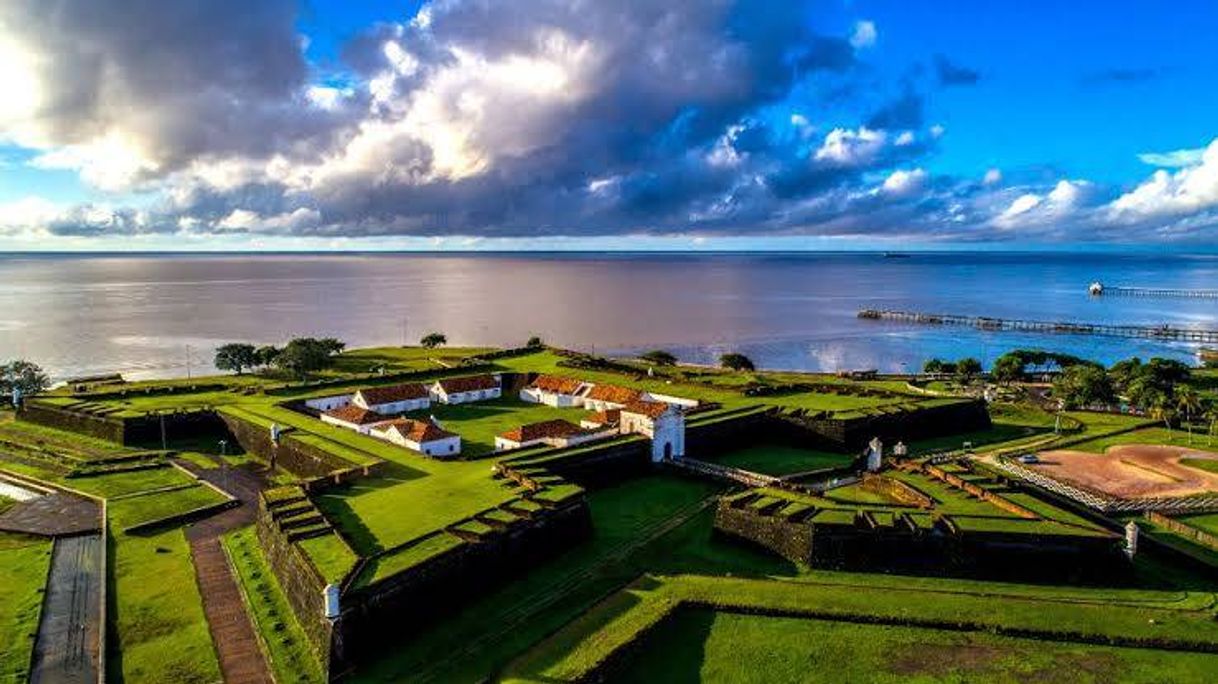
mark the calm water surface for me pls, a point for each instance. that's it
(147, 315)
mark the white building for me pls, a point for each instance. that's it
(422, 436)
(328, 403)
(393, 399)
(556, 433)
(552, 390)
(663, 423)
(467, 389)
(354, 418)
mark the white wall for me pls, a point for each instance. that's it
(402, 406)
(329, 403)
(669, 399)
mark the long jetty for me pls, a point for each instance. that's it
(1154, 332)
(1127, 291)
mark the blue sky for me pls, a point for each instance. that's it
(545, 123)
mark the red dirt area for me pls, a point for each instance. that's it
(1131, 471)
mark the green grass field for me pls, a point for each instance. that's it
(160, 633)
(1151, 435)
(288, 652)
(702, 645)
(478, 423)
(975, 607)
(1206, 522)
(23, 565)
(775, 459)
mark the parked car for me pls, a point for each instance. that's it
(1029, 458)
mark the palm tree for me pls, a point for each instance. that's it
(1188, 402)
(1161, 409)
(1211, 417)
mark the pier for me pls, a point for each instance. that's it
(1099, 289)
(1160, 332)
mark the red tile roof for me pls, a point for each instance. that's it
(605, 417)
(550, 428)
(614, 393)
(418, 430)
(393, 393)
(355, 415)
(472, 383)
(651, 409)
(556, 384)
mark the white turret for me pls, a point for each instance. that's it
(875, 454)
(1131, 539)
(1096, 289)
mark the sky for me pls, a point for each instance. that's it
(578, 124)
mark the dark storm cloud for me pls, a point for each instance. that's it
(950, 74)
(680, 126)
(186, 78)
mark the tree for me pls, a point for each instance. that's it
(737, 362)
(1083, 385)
(433, 340)
(236, 357)
(933, 366)
(23, 377)
(1211, 417)
(660, 357)
(266, 355)
(332, 345)
(534, 342)
(305, 355)
(1008, 368)
(1161, 409)
(1188, 402)
(968, 368)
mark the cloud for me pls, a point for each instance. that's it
(1174, 158)
(1191, 189)
(864, 35)
(950, 74)
(992, 177)
(845, 147)
(903, 183)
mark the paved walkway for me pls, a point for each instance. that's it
(232, 631)
(66, 648)
(53, 515)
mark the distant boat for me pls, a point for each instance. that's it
(895, 255)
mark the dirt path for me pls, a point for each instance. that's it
(232, 631)
(65, 650)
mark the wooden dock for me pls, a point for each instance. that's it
(1126, 291)
(1159, 332)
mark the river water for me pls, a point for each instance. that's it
(149, 315)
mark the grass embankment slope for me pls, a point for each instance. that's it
(283, 640)
(23, 566)
(157, 627)
(921, 608)
(702, 645)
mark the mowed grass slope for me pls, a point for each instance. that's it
(702, 645)
(777, 459)
(1055, 614)
(23, 566)
(159, 630)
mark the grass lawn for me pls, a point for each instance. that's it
(775, 459)
(702, 645)
(401, 359)
(1206, 522)
(23, 565)
(138, 510)
(498, 626)
(1150, 435)
(159, 630)
(416, 495)
(290, 655)
(982, 606)
(1206, 464)
(478, 423)
(122, 484)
